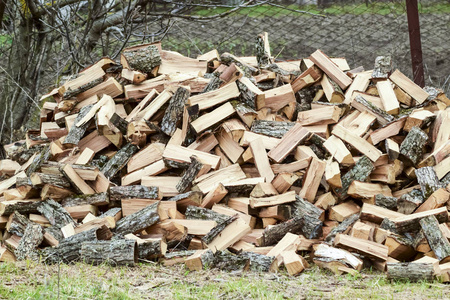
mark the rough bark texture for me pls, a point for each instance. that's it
(143, 60)
(139, 220)
(410, 271)
(112, 212)
(75, 132)
(218, 229)
(342, 228)
(226, 261)
(119, 160)
(150, 249)
(413, 145)
(386, 202)
(53, 179)
(259, 262)
(360, 172)
(115, 252)
(312, 227)
(68, 249)
(303, 207)
(214, 83)
(174, 111)
(247, 96)
(318, 147)
(437, 241)
(87, 86)
(117, 193)
(55, 213)
(428, 180)
(43, 156)
(275, 233)
(120, 123)
(18, 224)
(408, 202)
(228, 59)
(176, 254)
(411, 225)
(271, 128)
(198, 213)
(20, 207)
(262, 53)
(375, 110)
(189, 175)
(94, 199)
(382, 67)
(32, 238)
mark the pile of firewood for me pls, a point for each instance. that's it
(234, 163)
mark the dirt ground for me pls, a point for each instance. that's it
(359, 38)
(151, 281)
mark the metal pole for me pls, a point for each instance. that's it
(412, 12)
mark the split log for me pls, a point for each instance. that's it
(409, 202)
(271, 128)
(382, 68)
(342, 228)
(55, 213)
(296, 135)
(77, 132)
(119, 160)
(117, 193)
(189, 198)
(115, 252)
(361, 104)
(331, 69)
(200, 260)
(437, 241)
(94, 199)
(31, 239)
(259, 262)
(428, 180)
(412, 147)
(386, 201)
(76, 181)
(138, 220)
(142, 59)
(17, 224)
(198, 213)
(222, 237)
(174, 111)
(411, 223)
(359, 172)
(189, 175)
(409, 86)
(275, 233)
(21, 206)
(367, 248)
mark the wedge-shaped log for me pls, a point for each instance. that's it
(312, 179)
(207, 182)
(359, 143)
(330, 68)
(183, 155)
(406, 84)
(296, 135)
(210, 119)
(367, 248)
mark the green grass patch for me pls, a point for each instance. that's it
(354, 9)
(81, 281)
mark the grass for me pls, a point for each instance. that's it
(354, 9)
(80, 281)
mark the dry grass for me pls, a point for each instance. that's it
(151, 281)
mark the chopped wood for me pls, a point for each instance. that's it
(330, 68)
(408, 86)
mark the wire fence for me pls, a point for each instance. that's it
(356, 30)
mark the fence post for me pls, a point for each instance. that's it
(412, 12)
